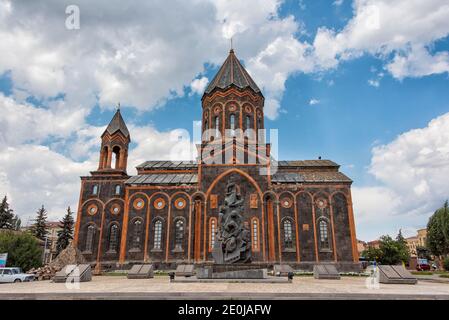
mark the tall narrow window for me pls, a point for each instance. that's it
(232, 125)
(247, 126)
(95, 189)
(324, 234)
(90, 238)
(137, 231)
(217, 126)
(157, 235)
(179, 234)
(117, 189)
(113, 238)
(288, 234)
(213, 230)
(255, 234)
(206, 128)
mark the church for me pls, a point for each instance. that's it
(298, 212)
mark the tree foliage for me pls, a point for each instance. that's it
(390, 251)
(7, 218)
(438, 231)
(39, 229)
(65, 235)
(23, 249)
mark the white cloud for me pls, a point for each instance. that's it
(34, 175)
(338, 2)
(374, 83)
(314, 101)
(199, 85)
(384, 27)
(412, 171)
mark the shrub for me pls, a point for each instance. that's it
(446, 263)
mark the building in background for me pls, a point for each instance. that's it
(419, 240)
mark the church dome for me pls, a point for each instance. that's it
(232, 73)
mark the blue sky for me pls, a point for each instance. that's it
(335, 86)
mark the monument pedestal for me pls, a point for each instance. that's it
(231, 272)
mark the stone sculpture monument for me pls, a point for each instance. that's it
(233, 238)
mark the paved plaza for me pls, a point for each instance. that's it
(119, 287)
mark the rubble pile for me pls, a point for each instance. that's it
(69, 255)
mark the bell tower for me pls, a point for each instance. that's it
(233, 116)
(114, 146)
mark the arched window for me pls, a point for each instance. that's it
(113, 238)
(255, 234)
(137, 231)
(288, 234)
(324, 234)
(95, 189)
(248, 126)
(90, 238)
(179, 234)
(157, 235)
(116, 157)
(117, 189)
(232, 125)
(217, 126)
(212, 231)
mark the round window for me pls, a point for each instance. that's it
(159, 203)
(92, 209)
(180, 203)
(286, 202)
(138, 203)
(321, 203)
(115, 209)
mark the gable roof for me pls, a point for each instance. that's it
(232, 73)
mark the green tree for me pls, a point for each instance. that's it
(23, 249)
(39, 229)
(65, 235)
(6, 215)
(438, 231)
(401, 243)
(372, 254)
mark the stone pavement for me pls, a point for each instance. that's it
(118, 287)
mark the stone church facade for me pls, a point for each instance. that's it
(298, 212)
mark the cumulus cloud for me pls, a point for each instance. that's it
(412, 171)
(199, 85)
(382, 28)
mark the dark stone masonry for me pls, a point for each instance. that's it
(294, 212)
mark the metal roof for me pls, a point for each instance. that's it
(164, 178)
(315, 176)
(167, 165)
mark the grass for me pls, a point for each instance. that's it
(444, 276)
(422, 273)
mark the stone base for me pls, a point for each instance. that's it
(265, 280)
(231, 272)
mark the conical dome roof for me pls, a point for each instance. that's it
(232, 73)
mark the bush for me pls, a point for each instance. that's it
(23, 250)
(446, 263)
